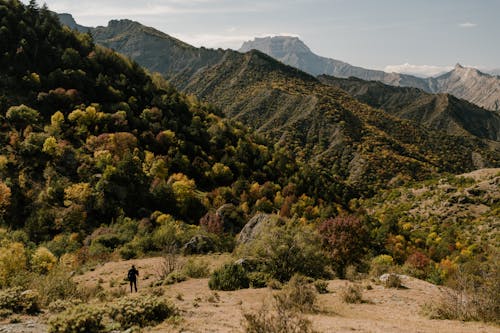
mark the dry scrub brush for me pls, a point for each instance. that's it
(470, 297)
(286, 312)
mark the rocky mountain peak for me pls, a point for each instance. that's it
(276, 45)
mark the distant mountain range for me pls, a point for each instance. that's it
(344, 142)
(495, 71)
(467, 83)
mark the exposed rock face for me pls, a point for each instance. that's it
(470, 84)
(255, 226)
(466, 83)
(68, 20)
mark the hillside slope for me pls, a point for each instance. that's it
(152, 49)
(88, 138)
(466, 83)
(437, 111)
(452, 217)
(348, 143)
(324, 124)
(292, 51)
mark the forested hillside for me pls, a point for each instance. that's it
(88, 139)
(292, 108)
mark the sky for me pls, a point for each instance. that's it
(423, 37)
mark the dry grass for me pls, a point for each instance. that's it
(352, 294)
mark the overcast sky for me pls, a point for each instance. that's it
(423, 36)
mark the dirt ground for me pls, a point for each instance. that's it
(203, 310)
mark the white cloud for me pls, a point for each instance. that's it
(418, 70)
(468, 25)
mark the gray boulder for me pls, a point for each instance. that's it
(258, 223)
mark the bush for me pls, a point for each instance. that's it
(277, 321)
(43, 260)
(298, 295)
(321, 286)
(196, 268)
(80, 318)
(57, 285)
(351, 294)
(393, 281)
(351, 273)
(141, 311)
(287, 250)
(345, 238)
(381, 264)
(285, 316)
(12, 262)
(61, 305)
(229, 277)
(417, 265)
(18, 301)
(258, 279)
(472, 295)
(128, 252)
(175, 277)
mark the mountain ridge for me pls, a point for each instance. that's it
(438, 111)
(344, 142)
(470, 84)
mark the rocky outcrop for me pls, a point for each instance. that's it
(255, 226)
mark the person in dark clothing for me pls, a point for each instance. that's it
(132, 275)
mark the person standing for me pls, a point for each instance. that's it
(132, 275)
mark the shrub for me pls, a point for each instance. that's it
(229, 277)
(393, 281)
(12, 262)
(417, 265)
(351, 273)
(321, 286)
(258, 279)
(128, 252)
(61, 305)
(57, 285)
(351, 294)
(287, 250)
(278, 321)
(381, 264)
(285, 316)
(141, 311)
(18, 301)
(43, 260)
(472, 295)
(345, 238)
(80, 318)
(175, 277)
(196, 268)
(298, 295)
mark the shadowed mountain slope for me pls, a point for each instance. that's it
(437, 111)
